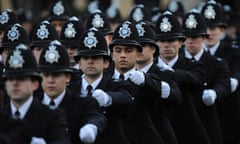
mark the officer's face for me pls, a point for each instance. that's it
(215, 34)
(93, 66)
(58, 26)
(20, 89)
(37, 52)
(54, 84)
(71, 53)
(1, 35)
(146, 56)
(5, 54)
(169, 49)
(124, 57)
(194, 45)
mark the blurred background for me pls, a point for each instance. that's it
(34, 10)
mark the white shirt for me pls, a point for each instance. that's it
(146, 68)
(213, 49)
(85, 83)
(126, 75)
(46, 100)
(23, 109)
(196, 57)
(171, 63)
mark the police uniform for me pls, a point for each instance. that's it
(58, 12)
(12, 131)
(8, 18)
(213, 16)
(177, 9)
(93, 44)
(159, 108)
(114, 16)
(140, 13)
(79, 111)
(138, 126)
(72, 30)
(217, 76)
(40, 120)
(42, 34)
(13, 36)
(99, 21)
(58, 15)
(189, 77)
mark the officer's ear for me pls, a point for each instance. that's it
(35, 84)
(106, 63)
(68, 77)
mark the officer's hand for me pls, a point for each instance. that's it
(234, 84)
(38, 140)
(165, 90)
(137, 77)
(88, 133)
(209, 96)
(102, 97)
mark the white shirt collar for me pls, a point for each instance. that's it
(126, 74)
(212, 49)
(171, 63)
(23, 109)
(146, 68)
(196, 57)
(85, 83)
(46, 100)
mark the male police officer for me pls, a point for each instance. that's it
(229, 108)
(125, 47)
(216, 85)
(42, 34)
(22, 79)
(189, 76)
(58, 15)
(168, 92)
(83, 116)
(113, 96)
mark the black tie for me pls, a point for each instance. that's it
(52, 103)
(89, 90)
(193, 59)
(17, 114)
(121, 76)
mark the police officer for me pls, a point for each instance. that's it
(189, 76)
(21, 79)
(83, 116)
(100, 21)
(114, 16)
(72, 30)
(216, 84)
(124, 48)
(58, 15)
(213, 16)
(112, 96)
(169, 91)
(42, 34)
(177, 9)
(13, 36)
(8, 18)
(140, 13)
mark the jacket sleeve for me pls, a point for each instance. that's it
(58, 129)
